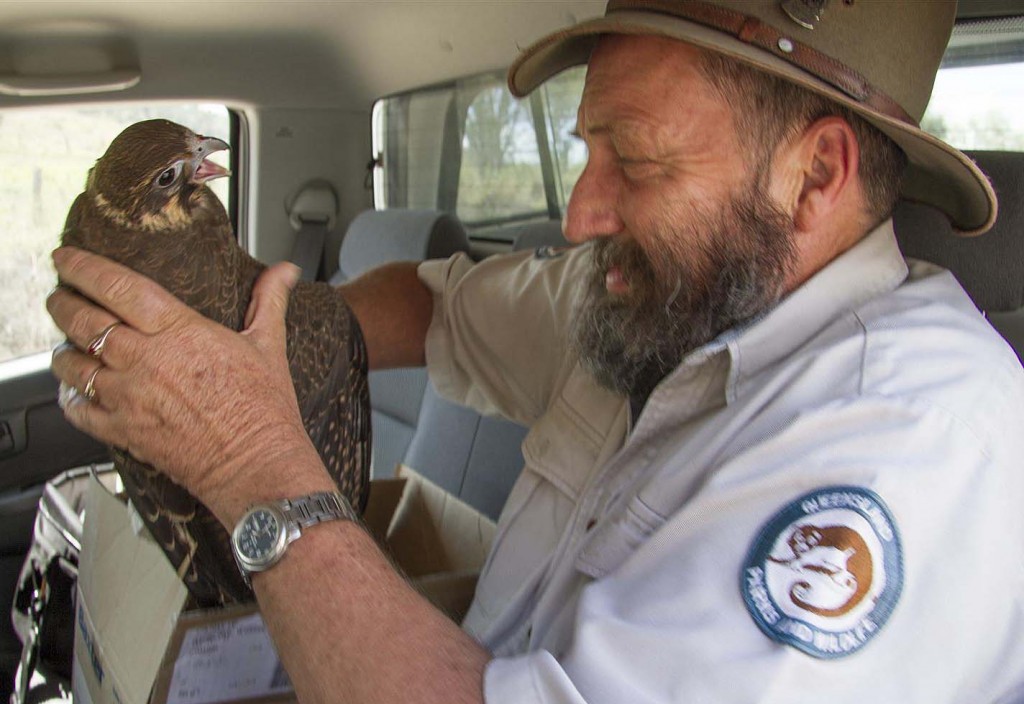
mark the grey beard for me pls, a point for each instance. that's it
(631, 342)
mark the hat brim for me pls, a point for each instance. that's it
(937, 174)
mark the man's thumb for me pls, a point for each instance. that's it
(270, 298)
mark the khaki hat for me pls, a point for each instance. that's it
(878, 57)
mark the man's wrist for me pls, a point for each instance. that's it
(289, 470)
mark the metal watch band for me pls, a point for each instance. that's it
(314, 508)
(292, 516)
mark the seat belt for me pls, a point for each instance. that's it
(312, 212)
(308, 250)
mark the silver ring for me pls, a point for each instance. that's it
(95, 348)
(89, 392)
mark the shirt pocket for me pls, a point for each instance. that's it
(565, 446)
(613, 541)
(519, 557)
(561, 451)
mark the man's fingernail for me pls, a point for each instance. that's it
(294, 274)
(67, 395)
(60, 348)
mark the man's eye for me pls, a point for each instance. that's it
(639, 168)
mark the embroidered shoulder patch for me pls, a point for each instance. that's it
(824, 574)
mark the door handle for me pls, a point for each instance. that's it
(12, 434)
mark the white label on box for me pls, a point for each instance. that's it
(227, 661)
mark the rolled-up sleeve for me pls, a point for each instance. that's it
(497, 341)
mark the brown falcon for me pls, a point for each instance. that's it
(147, 205)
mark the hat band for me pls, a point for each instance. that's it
(755, 32)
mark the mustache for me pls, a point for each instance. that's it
(649, 281)
(622, 254)
(629, 258)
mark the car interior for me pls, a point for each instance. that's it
(366, 132)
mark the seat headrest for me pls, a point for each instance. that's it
(542, 234)
(989, 267)
(377, 237)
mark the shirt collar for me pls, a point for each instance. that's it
(872, 267)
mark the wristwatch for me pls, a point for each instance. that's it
(262, 535)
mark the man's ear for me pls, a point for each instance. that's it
(824, 162)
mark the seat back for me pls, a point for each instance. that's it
(543, 234)
(989, 267)
(474, 457)
(375, 238)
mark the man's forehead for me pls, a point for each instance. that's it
(643, 83)
(624, 128)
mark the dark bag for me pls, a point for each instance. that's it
(43, 613)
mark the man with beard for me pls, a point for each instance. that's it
(768, 460)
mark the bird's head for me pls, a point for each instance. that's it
(153, 176)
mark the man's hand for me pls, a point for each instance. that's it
(216, 410)
(178, 391)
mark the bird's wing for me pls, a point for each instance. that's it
(75, 213)
(328, 361)
(193, 540)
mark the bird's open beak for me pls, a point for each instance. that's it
(207, 170)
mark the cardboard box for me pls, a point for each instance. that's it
(134, 644)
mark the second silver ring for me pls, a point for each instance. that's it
(89, 392)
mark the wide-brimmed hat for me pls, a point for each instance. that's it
(878, 57)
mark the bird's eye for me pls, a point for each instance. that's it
(168, 176)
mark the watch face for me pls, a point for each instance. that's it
(259, 537)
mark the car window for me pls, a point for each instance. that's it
(978, 107)
(45, 155)
(500, 176)
(978, 96)
(472, 149)
(561, 98)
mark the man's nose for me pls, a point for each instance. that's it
(593, 206)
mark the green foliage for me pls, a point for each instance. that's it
(988, 130)
(500, 174)
(935, 125)
(561, 102)
(513, 189)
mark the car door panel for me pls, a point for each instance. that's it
(45, 443)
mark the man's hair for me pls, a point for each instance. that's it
(768, 109)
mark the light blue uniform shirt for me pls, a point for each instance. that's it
(697, 557)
